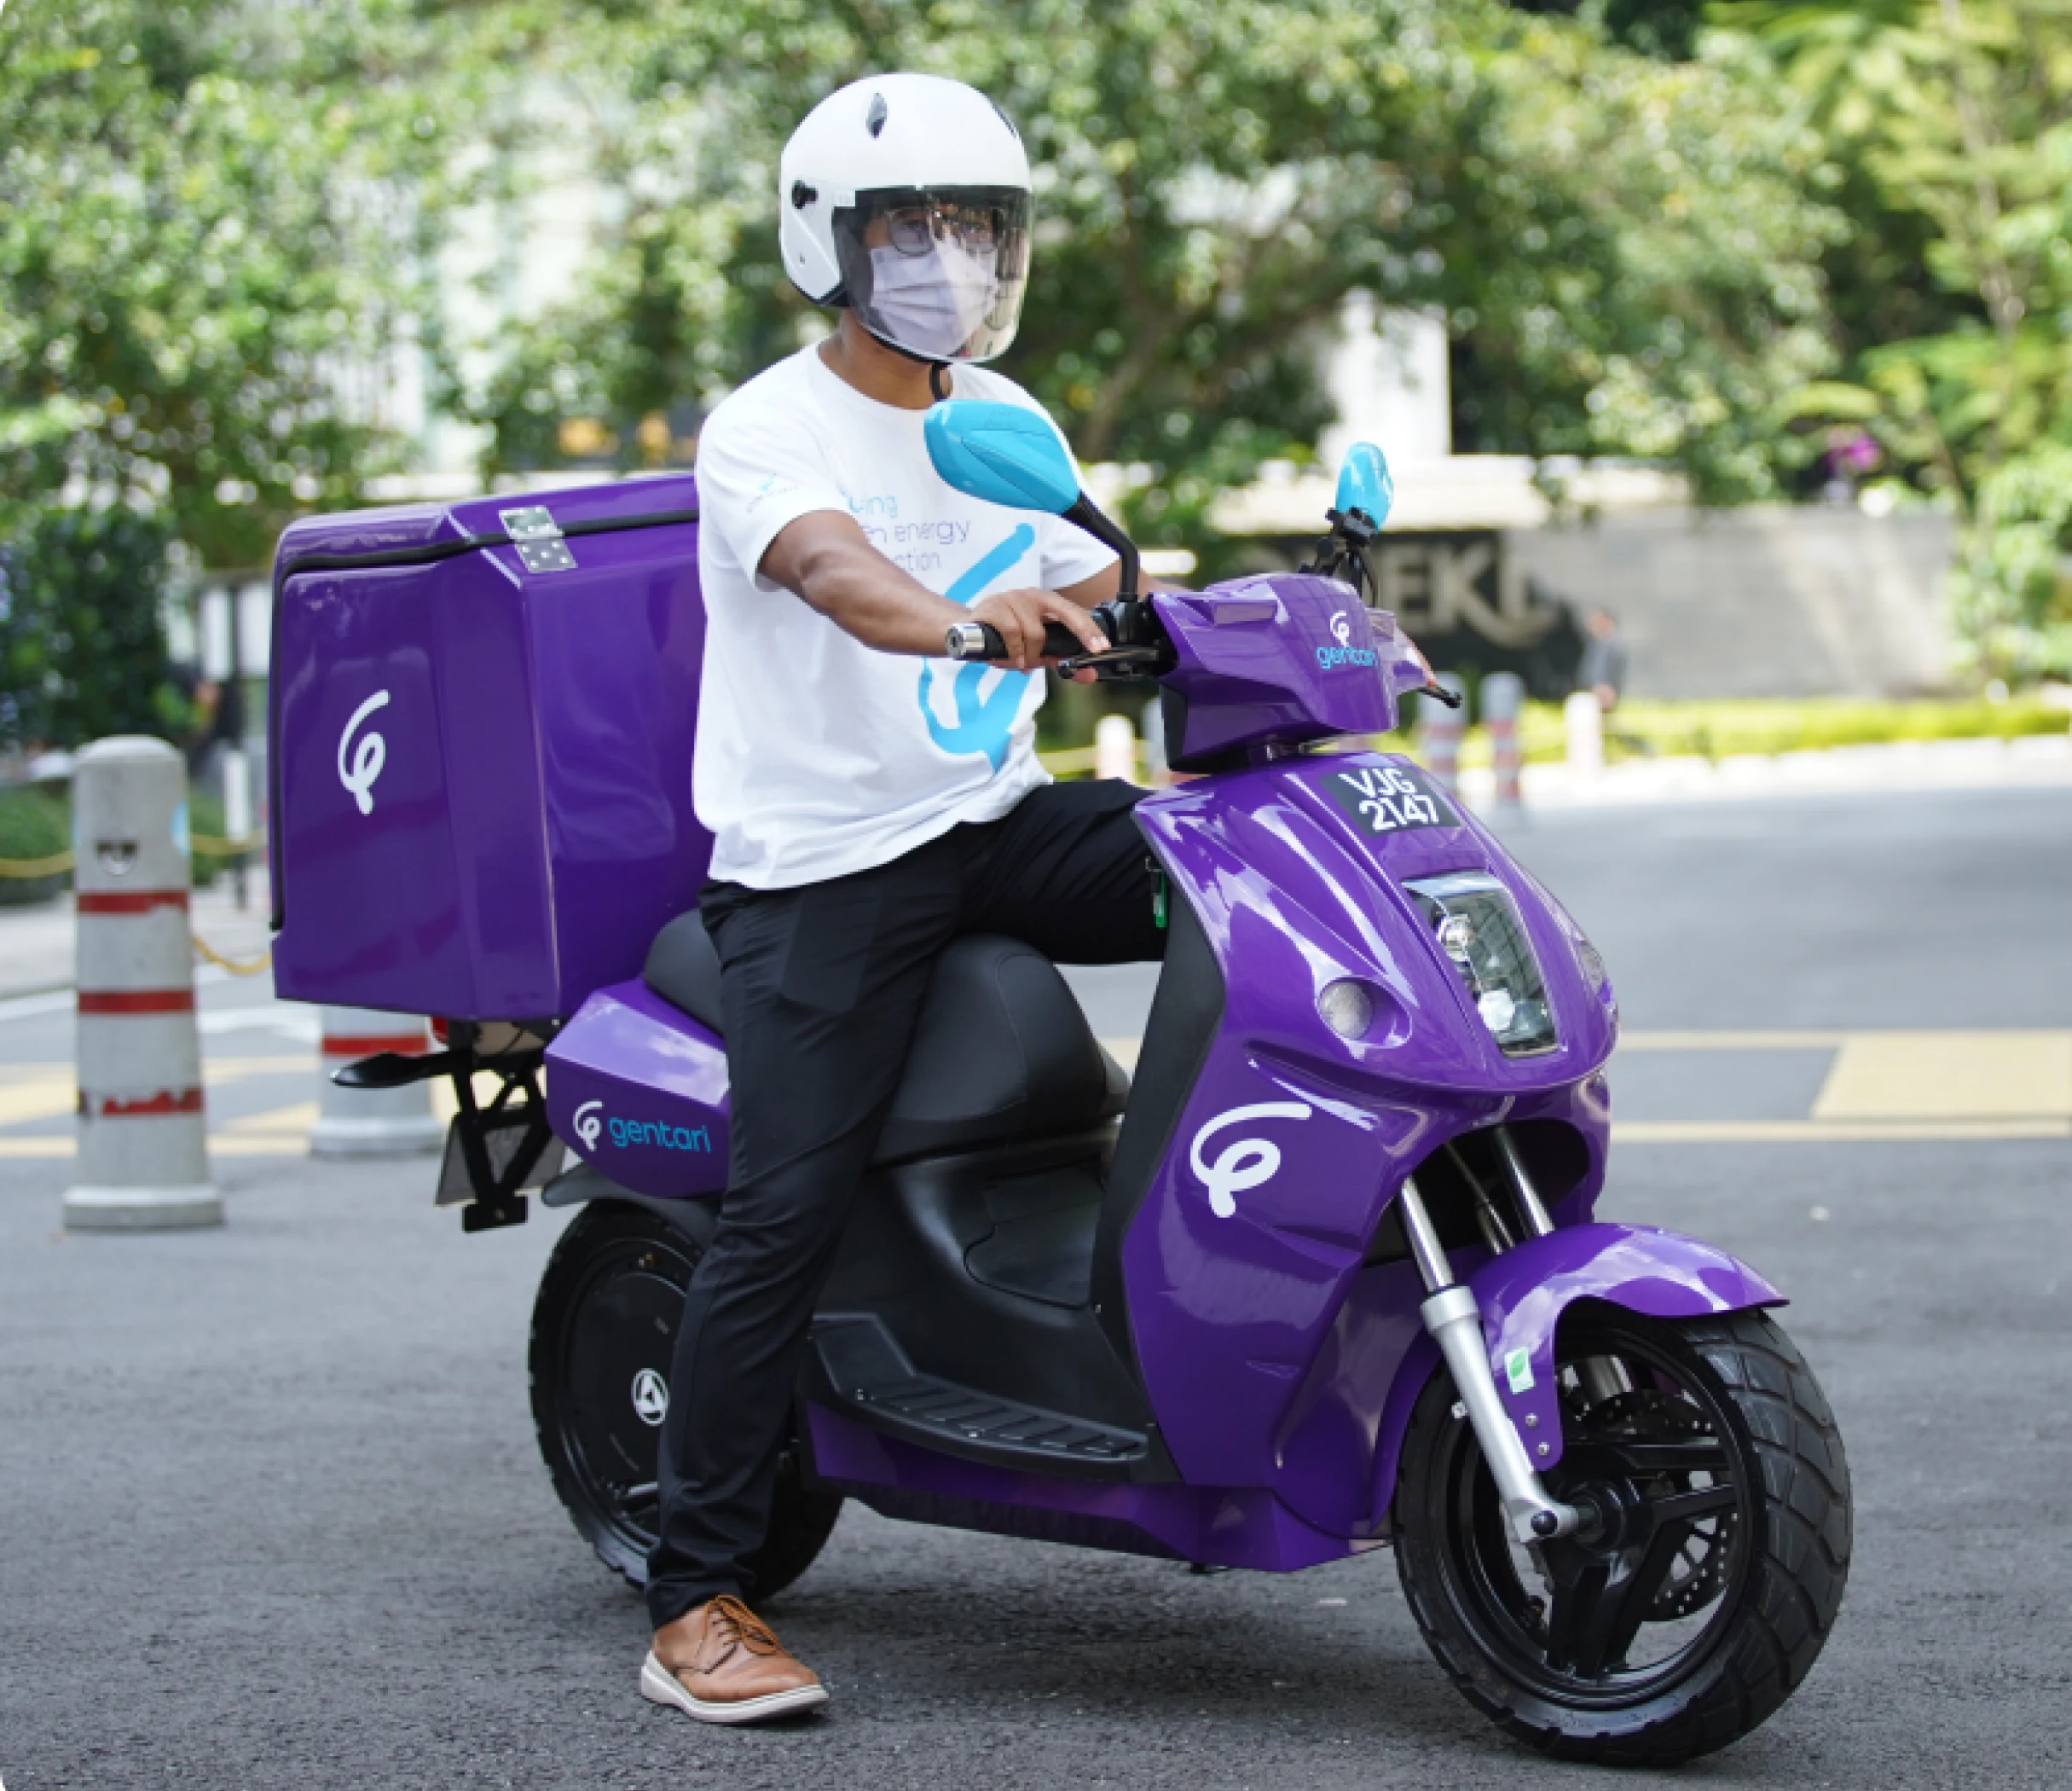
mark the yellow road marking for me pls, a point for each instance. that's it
(1830, 1132)
(220, 1145)
(296, 1119)
(1929, 1075)
(1732, 1041)
(45, 1100)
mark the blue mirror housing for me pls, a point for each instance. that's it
(1001, 453)
(1363, 483)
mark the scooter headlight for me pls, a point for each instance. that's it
(1479, 930)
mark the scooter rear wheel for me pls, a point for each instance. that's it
(603, 1334)
(1713, 1579)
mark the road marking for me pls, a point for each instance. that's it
(1893, 1086)
(30, 1093)
(1830, 1132)
(1926, 1076)
(296, 1119)
(1732, 1040)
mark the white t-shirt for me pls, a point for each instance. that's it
(818, 756)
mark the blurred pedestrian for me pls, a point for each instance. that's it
(1602, 669)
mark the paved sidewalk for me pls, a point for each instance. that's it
(36, 942)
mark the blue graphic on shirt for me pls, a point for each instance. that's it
(984, 722)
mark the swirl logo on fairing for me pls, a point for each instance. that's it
(366, 758)
(589, 1122)
(1244, 1162)
(1341, 625)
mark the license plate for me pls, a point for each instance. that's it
(1389, 798)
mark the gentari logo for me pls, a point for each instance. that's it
(1343, 653)
(591, 1123)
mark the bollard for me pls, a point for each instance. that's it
(143, 1161)
(1503, 696)
(1439, 733)
(1116, 749)
(372, 1122)
(1585, 720)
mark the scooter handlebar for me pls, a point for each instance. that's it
(980, 640)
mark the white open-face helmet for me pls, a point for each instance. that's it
(905, 197)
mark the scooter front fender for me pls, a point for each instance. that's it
(1523, 1294)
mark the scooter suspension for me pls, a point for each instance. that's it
(1455, 1320)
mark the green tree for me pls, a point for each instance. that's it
(210, 215)
(1625, 249)
(81, 652)
(1951, 124)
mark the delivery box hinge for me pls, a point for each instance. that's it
(537, 537)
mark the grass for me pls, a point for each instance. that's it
(1718, 730)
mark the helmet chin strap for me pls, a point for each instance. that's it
(938, 390)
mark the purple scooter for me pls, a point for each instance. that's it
(1323, 1277)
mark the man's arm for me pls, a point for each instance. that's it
(825, 557)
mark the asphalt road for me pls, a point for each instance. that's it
(270, 1511)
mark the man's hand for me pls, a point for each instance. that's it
(1020, 616)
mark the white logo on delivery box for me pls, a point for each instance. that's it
(366, 759)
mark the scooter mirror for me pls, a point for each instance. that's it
(1001, 453)
(1363, 483)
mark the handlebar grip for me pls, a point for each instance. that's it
(980, 640)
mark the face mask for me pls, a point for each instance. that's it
(932, 304)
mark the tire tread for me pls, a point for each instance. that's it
(1801, 1563)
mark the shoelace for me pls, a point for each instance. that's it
(730, 1620)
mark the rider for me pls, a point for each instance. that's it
(869, 800)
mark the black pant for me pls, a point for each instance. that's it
(821, 987)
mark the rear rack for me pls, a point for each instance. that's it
(495, 1150)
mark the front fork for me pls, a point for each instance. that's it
(1455, 1320)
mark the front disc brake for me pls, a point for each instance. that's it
(1699, 1574)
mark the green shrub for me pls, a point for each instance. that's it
(82, 647)
(34, 823)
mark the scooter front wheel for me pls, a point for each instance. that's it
(1701, 1593)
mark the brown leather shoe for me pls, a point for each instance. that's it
(722, 1664)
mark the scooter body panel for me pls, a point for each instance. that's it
(1238, 1527)
(1268, 1342)
(637, 1089)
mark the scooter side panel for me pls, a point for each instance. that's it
(1217, 1526)
(1254, 1232)
(639, 1090)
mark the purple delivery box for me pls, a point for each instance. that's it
(481, 732)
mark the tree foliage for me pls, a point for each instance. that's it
(1950, 125)
(1625, 249)
(81, 651)
(207, 224)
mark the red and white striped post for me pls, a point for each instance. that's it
(1503, 697)
(1439, 733)
(143, 1162)
(372, 1122)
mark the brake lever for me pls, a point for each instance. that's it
(1116, 656)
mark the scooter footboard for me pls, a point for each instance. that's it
(1523, 1294)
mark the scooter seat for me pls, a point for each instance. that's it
(1002, 1052)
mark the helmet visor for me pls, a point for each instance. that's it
(937, 271)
